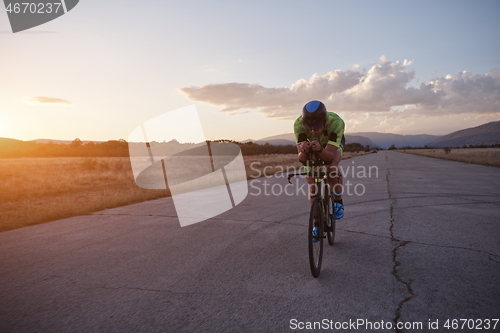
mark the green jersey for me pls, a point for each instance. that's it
(333, 133)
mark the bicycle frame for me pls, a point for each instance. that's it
(322, 190)
(320, 176)
(320, 216)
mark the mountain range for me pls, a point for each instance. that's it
(487, 134)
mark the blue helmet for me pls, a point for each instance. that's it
(314, 115)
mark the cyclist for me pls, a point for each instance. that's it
(321, 134)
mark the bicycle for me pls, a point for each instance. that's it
(320, 216)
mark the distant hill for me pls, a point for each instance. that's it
(385, 140)
(289, 138)
(6, 142)
(280, 139)
(60, 142)
(362, 140)
(487, 134)
(275, 142)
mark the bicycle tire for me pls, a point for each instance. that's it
(330, 220)
(316, 248)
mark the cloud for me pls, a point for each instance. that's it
(273, 102)
(385, 88)
(467, 93)
(37, 100)
(237, 113)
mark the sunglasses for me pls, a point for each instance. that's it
(315, 127)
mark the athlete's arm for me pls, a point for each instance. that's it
(326, 154)
(303, 149)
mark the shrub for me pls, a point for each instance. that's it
(89, 164)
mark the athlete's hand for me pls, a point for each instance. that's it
(315, 146)
(304, 147)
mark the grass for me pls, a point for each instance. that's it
(38, 190)
(483, 156)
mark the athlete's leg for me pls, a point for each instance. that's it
(312, 188)
(335, 178)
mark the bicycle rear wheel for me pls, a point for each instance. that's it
(316, 247)
(330, 220)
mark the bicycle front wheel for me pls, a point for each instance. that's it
(316, 220)
(330, 220)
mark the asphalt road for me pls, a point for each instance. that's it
(420, 243)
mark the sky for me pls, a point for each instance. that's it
(106, 67)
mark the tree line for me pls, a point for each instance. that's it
(10, 148)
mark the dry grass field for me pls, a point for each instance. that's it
(37, 190)
(483, 156)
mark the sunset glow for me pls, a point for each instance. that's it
(382, 69)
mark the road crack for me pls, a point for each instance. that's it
(410, 293)
(494, 259)
(396, 263)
